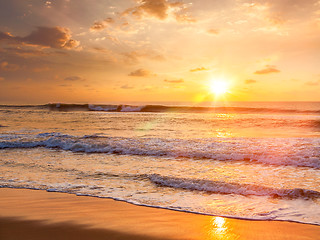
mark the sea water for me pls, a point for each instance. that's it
(243, 160)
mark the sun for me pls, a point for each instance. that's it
(219, 87)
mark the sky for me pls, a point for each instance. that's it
(156, 51)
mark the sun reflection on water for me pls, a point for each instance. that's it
(220, 230)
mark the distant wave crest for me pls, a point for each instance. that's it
(163, 108)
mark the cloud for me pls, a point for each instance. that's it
(1, 78)
(5, 66)
(199, 69)
(52, 37)
(74, 78)
(126, 87)
(149, 88)
(160, 9)
(184, 18)
(40, 69)
(48, 4)
(292, 7)
(250, 81)
(268, 69)
(141, 73)
(213, 31)
(100, 25)
(157, 9)
(279, 12)
(65, 85)
(23, 52)
(313, 83)
(174, 81)
(5, 36)
(134, 57)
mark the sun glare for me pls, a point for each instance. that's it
(219, 87)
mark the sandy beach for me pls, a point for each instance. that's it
(36, 214)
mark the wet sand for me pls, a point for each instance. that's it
(35, 214)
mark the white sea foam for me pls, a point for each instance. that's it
(123, 108)
(231, 188)
(265, 151)
(100, 108)
(131, 108)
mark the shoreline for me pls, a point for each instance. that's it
(163, 208)
(38, 214)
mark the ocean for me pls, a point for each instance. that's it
(242, 160)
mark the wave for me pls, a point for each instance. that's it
(221, 187)
(163, 108)
(189, 184)
(103, 108)
(182, 109)
(300, 152)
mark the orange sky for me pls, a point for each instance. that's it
(104, 51)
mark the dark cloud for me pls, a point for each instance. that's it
(5, 36)
(52, 37)
(199, 69)
(5, 66)
(268, 69)
(74, 78)
(25, 52)
(250, 81)
(174, 81)
(141, 73)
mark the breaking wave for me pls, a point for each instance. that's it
(270, 151)
(163, 108)
(221, 187)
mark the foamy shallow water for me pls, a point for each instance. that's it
(256, 166)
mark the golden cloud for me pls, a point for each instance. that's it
(141, 73)
(313, 83)
(100, 25)
(159, 9)
(199, 69)
(213, 31)
(268, 69)
(250, 81)
(133, 57)
(74, 78)
(174, 81)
